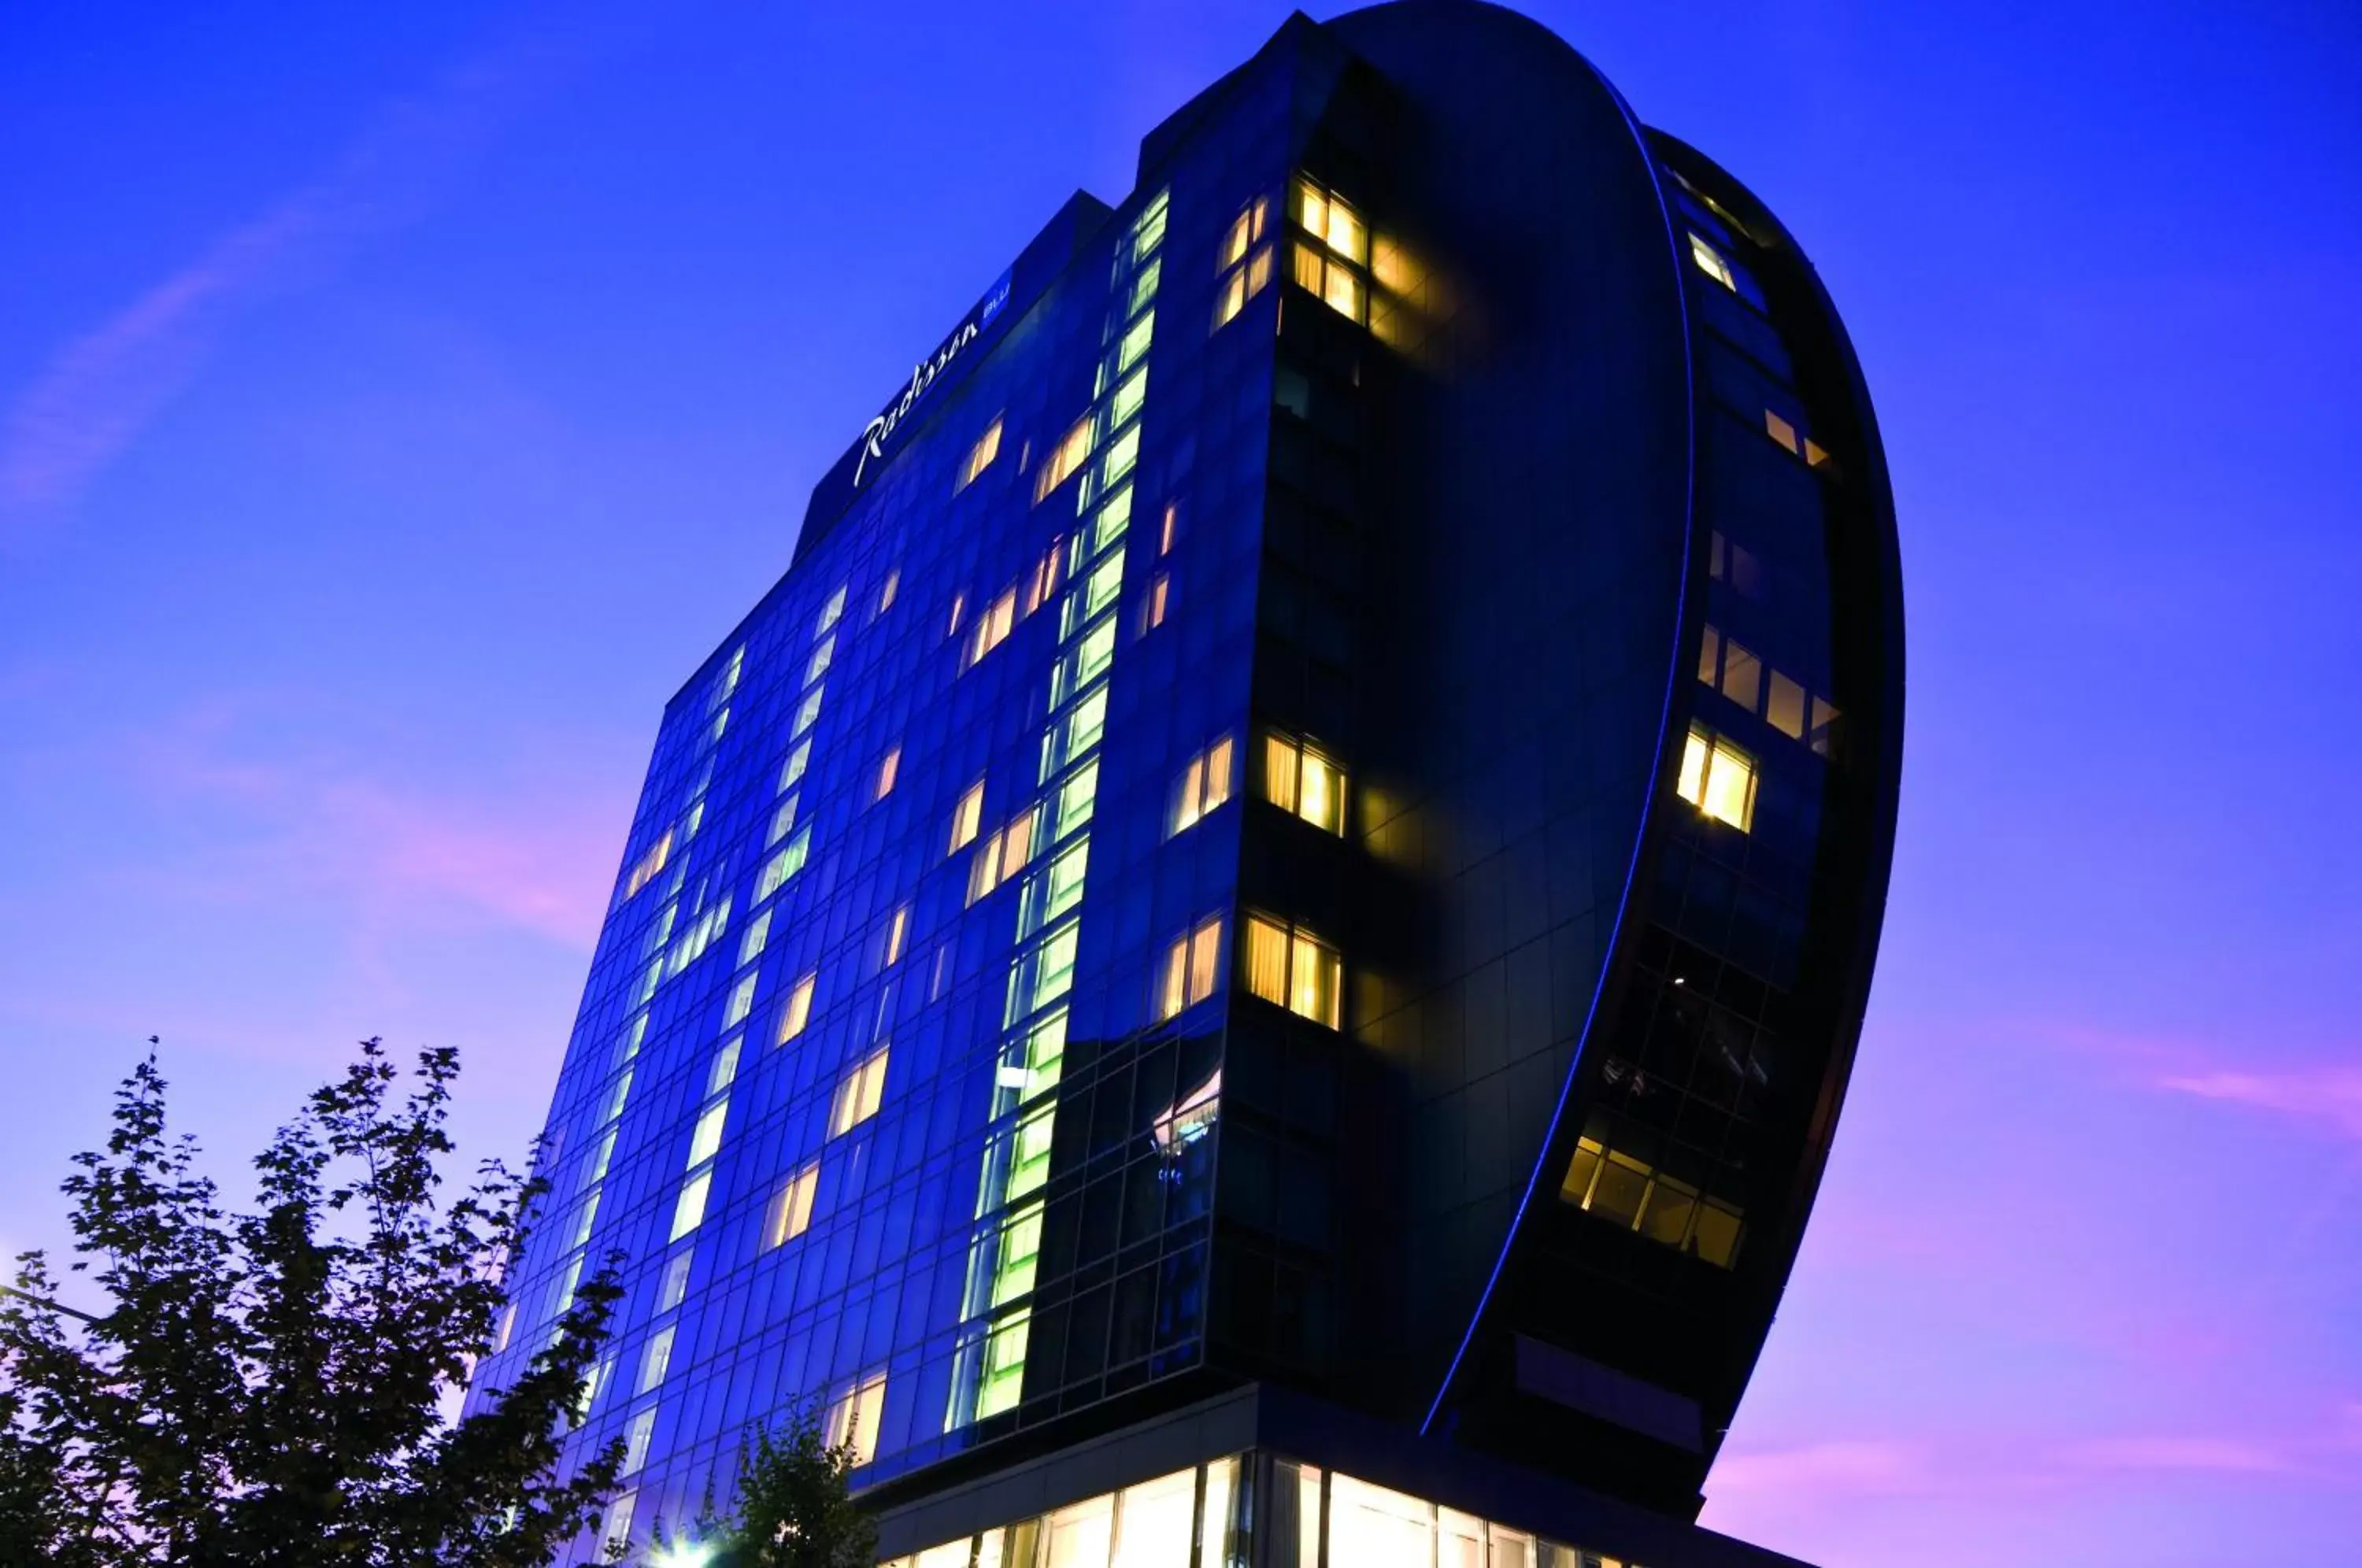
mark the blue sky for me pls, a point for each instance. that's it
(395, 402)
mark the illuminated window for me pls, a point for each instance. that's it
(655, 1358)
(858, 1095)
(959, 609)
(1786, 707)
(1192, 963)
(1331, 221)
(1815, 455)
(615, 1530)
(742, 1002)
(1165, 537)
(1244, 263)
(1821, 736)
(1329, 262)
(1712, 262)
(689, 1211)
(1742, 676)
(853, 1418)
(1048, 573)
(967, 817)
(635, 1441)
(1159, 593)
(1297, 779)
(1204, 784)
(791, 1210)
(993, 626)
(1002, 855)
(1136, 339)
(1781, 430)
(1628, 1192)
(1719, 779)
(794, 768)
(1052, 890)
(750, 947)
(821, 657)
(893, 586)
(898, 931)
(705, 1138)
(1129, 394)
(1071, 453)
(798, 1013)
(644, 870)
(724, 1068)
(888, 766)
(979, 457)
(1076, 797)
(1044, 973)
(1292, 968)
(783, 866)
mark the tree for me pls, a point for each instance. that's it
(268, 1388)
(792, 1508)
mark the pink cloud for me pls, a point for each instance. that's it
(2325, 1096)
(1840, 1466)
(2219, 1455)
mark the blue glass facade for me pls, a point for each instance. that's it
(1311, 815)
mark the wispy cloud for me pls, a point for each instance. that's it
(2217, 1455)
(1846, 1467)
(102, 388)
(2328, 1098)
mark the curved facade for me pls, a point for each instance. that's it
(1267, 928)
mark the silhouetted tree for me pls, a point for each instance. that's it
(791, 1507)
(270, 1388)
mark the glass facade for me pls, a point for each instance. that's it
(1311, 812)
(1210, 1517)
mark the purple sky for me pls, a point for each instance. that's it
(397, 402)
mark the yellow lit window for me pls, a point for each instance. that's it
(993, 626)
(979, 457)
(1781, 430)
(959, 609)
(1159, 592)
(1072, 451)
(1294, 970)
(1243, 232)
(853, 1418)
(644, 871)
(1002, 855)
(1244, 263)
(1786, 708)
(1711, 262)
(1192, 963)
(898, 931)
(1205, 784)
(1231, 297)
(1815, 455)
(1821, 736)
(1719, 779)
(790, 1211)
(1336, 284)
(1172, 520)
(1048, 573)
(886, 594)
(1628, 1192)
(888, 766)
(1742, 676)
(1297, 779)
(858, 1095)
(967, 817)
(798, 1013)
(1336, 225)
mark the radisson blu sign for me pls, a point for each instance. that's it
(923, 376)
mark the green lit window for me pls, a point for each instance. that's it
(1075, 798)
(1135, 344)
(1020, 1250)
(1044, 973)
(1129, 396)
(783, 866)
(1052, 890)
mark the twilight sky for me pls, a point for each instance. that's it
(397, 402)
